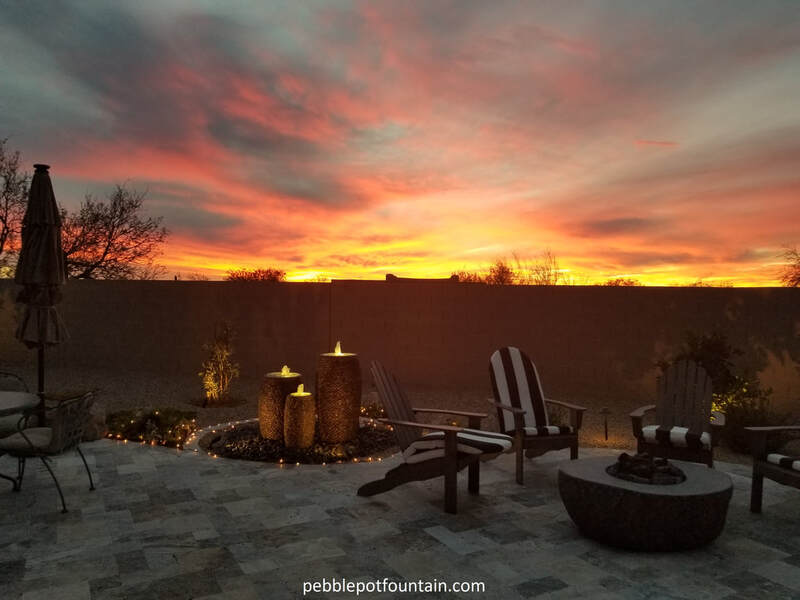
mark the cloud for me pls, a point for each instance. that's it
(664, 143)
(616, 226)
(312, 132)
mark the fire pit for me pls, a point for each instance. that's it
(643, 468)
(612, 503)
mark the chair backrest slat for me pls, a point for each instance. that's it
(68, 423)
(394, 403)
(683, 395)
(515, 382)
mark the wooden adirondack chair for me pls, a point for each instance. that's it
(444, 452)
(522, 408)
(684, 429)
(772, 465)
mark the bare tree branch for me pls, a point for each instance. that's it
(13, 201)
(790, 277)
(110, 240)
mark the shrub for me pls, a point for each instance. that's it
(269, 274)
(218, 370)
(746, 405)
(163, 427)
(742, 399)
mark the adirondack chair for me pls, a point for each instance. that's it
(522, 408)
(772, 465)
(684, 429)
(444, 452)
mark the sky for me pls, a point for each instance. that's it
(655, 140)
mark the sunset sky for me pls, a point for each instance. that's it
(652, 140)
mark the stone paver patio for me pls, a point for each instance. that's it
(164, 524)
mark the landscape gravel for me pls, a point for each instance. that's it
(117, 390)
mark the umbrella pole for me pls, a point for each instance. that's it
(40, 408)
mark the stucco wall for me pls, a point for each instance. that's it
(589, 343)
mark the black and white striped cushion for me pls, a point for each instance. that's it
(788, 462)
(676, 436)
(548, 430)
(515, 382)
(470, 441)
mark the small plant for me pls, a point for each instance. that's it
(373, 411)
(741, 398)
(746, 405)
(157, 427)
(218, 369)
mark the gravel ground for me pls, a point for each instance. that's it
(118, 391)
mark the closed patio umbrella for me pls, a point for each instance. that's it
(40, 270)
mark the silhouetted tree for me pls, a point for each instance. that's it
(13, 201)
(196, 277)
(544, 271)
(791, 271)
(269, 274)
(704, 284)
(500, 273)
(621, 282)
(110, 240)
(468, 277)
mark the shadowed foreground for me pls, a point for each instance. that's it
(182, 525)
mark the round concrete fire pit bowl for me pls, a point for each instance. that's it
(639, 516)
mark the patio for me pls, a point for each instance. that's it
(168, 524)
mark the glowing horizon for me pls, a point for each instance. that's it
(645, 140)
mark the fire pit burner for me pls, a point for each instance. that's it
(643, 468)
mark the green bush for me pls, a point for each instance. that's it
(747, 405)
(742, 399)
(162, 427)
(218, 370)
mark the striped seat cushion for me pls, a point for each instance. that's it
(470, 441)
(515, 382)
(676, 436)
(549, 430)
(789, 462)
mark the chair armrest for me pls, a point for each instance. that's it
(642, 410)
(518, 414)
(509, 408)
(758, 438)
(421, 425)
(451, 412)
(565, 404)
(575, 412)
(772, 428)
(636, 418)
(474, 419)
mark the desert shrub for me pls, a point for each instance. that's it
(747, 405)
(163, 427)
(218, 370)
(741, 397)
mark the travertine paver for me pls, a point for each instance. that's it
(164, 524)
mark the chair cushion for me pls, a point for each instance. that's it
(39, 436)
(549, 430)
(470, 441)
(515, 382)
(8, 424)
(676, 436)
(789, 462)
